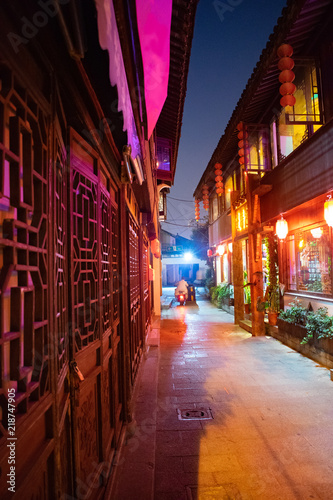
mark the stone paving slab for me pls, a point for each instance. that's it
(271, 437)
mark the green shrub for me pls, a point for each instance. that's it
(319, 325)
(296, 314)
(219, 293)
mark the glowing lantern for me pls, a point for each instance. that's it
(155, 246)
(243, 144)
(281, 228)
(205, 197)
(286, 63)
(287, 88)
(230, 247)
(242, 135)
(288, 100)
(197, 209)
(218, 178)
(209, 252)
(287, 76)
(317, 232)
(285, 50)
(220, 250)
(328, 211)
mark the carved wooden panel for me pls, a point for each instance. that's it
(65, 456)
(106, 223)
(145, 271)
(85, 258)
(88, 430)
(60, 298)
(24, 247)
(116, 271)
(134, 292)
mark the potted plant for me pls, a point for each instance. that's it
(247, 294)
(272, 295)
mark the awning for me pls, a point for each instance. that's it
(154, 24)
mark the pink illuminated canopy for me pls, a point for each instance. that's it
(154, 25)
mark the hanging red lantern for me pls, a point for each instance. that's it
(287, 88)
(287, 76)
(285, 50)
(197, 209)
(288, 100)
(242, 134)
(209, 252)
(243, 144)
(218, 178)
(286, 63)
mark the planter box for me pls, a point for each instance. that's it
(320, 350)
(325, 345)
(297, 331)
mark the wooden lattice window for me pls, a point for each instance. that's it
(24, 246)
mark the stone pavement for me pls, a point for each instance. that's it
(271, 435)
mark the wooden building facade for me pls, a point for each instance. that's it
(277, 161)
(79, 237)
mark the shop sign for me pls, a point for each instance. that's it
(241, 214)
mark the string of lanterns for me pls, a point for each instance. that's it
(243, 144)
(287, 76)
(205, 197)
(197, 209)
(218, 178)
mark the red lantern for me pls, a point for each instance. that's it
(218, 178)
(287, 88)
(219, 190)
(242, 134)
(285, 50)
(286, 63)
(240, 126)
(209, 252)
(288, 100)
(197, 209)
(219, 184)
(218, 166)
(286, 76)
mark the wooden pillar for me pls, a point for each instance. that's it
(237, 267)
(255, 259)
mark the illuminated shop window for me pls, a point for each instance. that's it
(310, 261)
(259, 154)
(297, 123)
(228, 190)
(163, 154)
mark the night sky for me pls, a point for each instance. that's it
(229, 36)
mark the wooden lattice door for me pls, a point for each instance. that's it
(26, 334)
(94, 301)
(134, 294)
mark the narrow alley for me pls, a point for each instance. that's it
(262, 410)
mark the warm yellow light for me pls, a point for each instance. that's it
(281, 228)
(220, 250)
(328, 211)
(301, 244)
(317, 232)
(230, 247)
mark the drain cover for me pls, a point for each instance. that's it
(195, 414)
